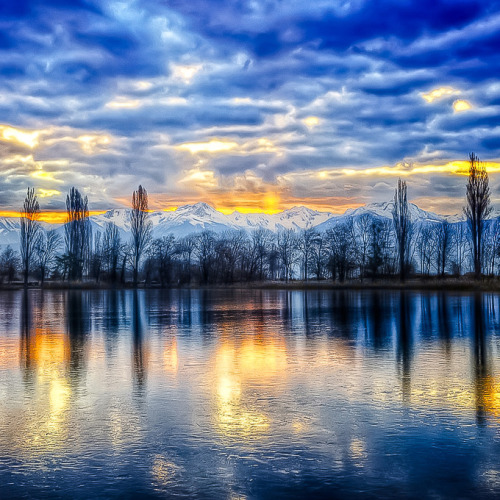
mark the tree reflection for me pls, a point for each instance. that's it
(78, 328)
(112, 319)
(444, 323)
(27, 334)
(403, 335)
(139, 364)
(483, 382)
(378, 330)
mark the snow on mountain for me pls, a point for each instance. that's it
(381, 211)
(385, 210)
(10, 228)
(294, 218)
(201, 216)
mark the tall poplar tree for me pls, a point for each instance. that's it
(141, 227)
(30, 231)
(477, 209)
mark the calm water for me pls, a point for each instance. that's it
(249, 394)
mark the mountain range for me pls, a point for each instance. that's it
(189, 219)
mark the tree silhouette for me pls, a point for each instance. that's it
(30, 230)
(77, 234)
(141, 227)
(46, 248)
(477, 209)
(402, 226)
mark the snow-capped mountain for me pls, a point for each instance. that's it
(294, 218)
(385, 210)
(10, 228)
(200, 216)
(381, 211)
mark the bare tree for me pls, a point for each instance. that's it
(97, 257)
(260, 245)
(163, 250)
(30, 231)
(205, 245)
(186, 247)
(9, 264)
(443, 246)
(362, 232)
(477, 208)
(141, 227)
(460, 247)
(46, 250)
(342, 249)
(306, 241)
(319, 256)
(426, 245)
(287, 246)
(112, 247)
(402, 227)
(375, 258)
(491, 246)
(77, 233)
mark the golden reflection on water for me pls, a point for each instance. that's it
(241, 368)
(171, 356)
(489, 396)
(163, 471)
(45, 358)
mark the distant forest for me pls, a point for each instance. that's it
(363, 248)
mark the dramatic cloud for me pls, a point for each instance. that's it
(255, 105)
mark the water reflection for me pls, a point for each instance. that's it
(404, 339)
(279, 386)
(45, 359)
(138, 353)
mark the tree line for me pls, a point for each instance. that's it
(366, 247)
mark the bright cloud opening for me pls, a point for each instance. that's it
(461, 105)
(48, 193)
(212, 146)
(439, 93)
(311, 121)
(124, 103)
(89, 143)
(185, 73)
(199, 179)
(23, 137)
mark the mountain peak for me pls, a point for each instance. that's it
(200, 209)
(301, 209)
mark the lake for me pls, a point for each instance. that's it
(249, 394)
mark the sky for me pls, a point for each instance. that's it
(254, 105)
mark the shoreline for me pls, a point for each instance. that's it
(452, 284)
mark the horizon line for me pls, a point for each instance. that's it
(60, 217)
